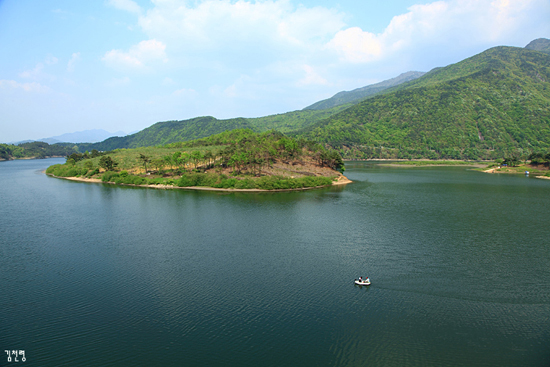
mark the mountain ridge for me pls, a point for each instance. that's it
(357, 94)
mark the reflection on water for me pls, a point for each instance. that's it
(458, 260)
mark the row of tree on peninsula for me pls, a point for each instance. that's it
(240, 159)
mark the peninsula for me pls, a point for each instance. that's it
(234, 160)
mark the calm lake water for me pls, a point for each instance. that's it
(99, 275)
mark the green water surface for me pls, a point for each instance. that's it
(100, 275)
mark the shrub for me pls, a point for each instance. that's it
(245, 184)
(109, 176)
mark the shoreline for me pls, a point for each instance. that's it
(495, 170)
(27, 158)
(342, 180)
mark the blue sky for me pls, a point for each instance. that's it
(68, 66)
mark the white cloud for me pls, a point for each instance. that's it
(27, 87)
(32, 73)
(145, 52)
(447, 24)
(212, 23)
(355, 45)
(126, 5)
(38, 71)
(311, 78)
(74, 58)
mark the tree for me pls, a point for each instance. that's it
(144, 159)
(159, 164)
(208, 156)
(197, 157)
(107, 163)
(182, 159)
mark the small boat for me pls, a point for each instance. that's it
(362, 282)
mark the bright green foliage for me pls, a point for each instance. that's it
(65, 170)
(263, 183)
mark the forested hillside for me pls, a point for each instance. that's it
(35, 149)
(493, 104)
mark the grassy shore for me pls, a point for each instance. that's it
(519, 170)
(428, 163)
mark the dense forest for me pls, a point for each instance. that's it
(239, 159)
(35, 149)
(491, 105)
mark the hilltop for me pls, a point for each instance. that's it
(540, 44)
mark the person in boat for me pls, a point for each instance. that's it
(360, 279)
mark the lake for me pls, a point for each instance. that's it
(100, 275)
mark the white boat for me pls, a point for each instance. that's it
(362, 282)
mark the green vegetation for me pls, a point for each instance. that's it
(35, 149)
(168, 132)
(540, 158)
(240, 159)
(492, 105)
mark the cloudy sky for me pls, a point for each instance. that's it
(68, 65)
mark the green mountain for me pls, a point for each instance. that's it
(358, 94)
(492, 104)
(168, 132)
(176, 131)
(540, 44)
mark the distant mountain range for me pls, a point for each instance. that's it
(493, 104)
(86, 136)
